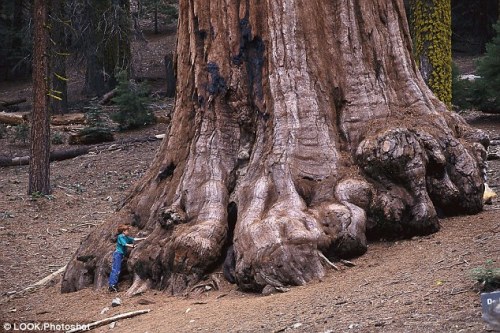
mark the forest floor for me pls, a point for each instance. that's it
(423, 284)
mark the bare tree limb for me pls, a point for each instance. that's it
(43, 281)
(105, 321)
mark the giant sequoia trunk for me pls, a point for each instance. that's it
(300, 129)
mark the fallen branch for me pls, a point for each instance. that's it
(328, 262)
(43, 281)
(347, 263)
(107, 97)
(105, 321)
(87, 224)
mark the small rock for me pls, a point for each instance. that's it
(144, 301)
(106, 309)
(116, 302)
(112, 325)
(268, 290)
(297, 325)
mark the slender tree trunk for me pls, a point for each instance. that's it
(300, 129)
(110, 46)
(156, 17)
(58, 55)
(431, 23)
(39, 170)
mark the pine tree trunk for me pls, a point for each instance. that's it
(109, 50)
(39, 169)
(58, 51)
(300, 129)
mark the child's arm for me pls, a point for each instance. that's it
(139, 238)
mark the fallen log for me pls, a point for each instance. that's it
(57, 120)
(13, 102)
(12, 118)
(59, 155)
(91, 135)
(109, 320)
(65, 154)
(68, 119)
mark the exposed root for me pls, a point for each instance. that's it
(139, 286)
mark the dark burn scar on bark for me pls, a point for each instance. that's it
(217, 83)
(167, 172)
(251, 53)
(85, 258)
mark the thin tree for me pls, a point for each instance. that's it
(58, 55)
(107, 43)
(39, 169)
(301, 128)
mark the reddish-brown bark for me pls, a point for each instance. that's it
(39, 170)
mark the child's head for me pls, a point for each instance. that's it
(123, 228)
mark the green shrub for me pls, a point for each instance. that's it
(21, 132)
(94, 116)
(132, 99)
(3, 131)
(488, 276)
(489, 70)
(460, 89)
(483, 93)
(57, 139)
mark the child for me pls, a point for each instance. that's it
(123, 241)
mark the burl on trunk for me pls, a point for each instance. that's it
(300, 129)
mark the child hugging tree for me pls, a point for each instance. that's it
(122, 242)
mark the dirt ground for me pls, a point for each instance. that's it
(418, 285)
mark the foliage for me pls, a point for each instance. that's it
(431, 30)
(57, 138)
(482, 93)
(16, 32)
(165, 9)
(21, 132)
(94, 116)
(39, 195)
(3, 131)
(132, 99)
(489, 70)
(488, 276)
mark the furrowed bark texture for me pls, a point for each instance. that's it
(300, 129)
(39, 169)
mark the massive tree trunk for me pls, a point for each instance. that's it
(300, 129)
